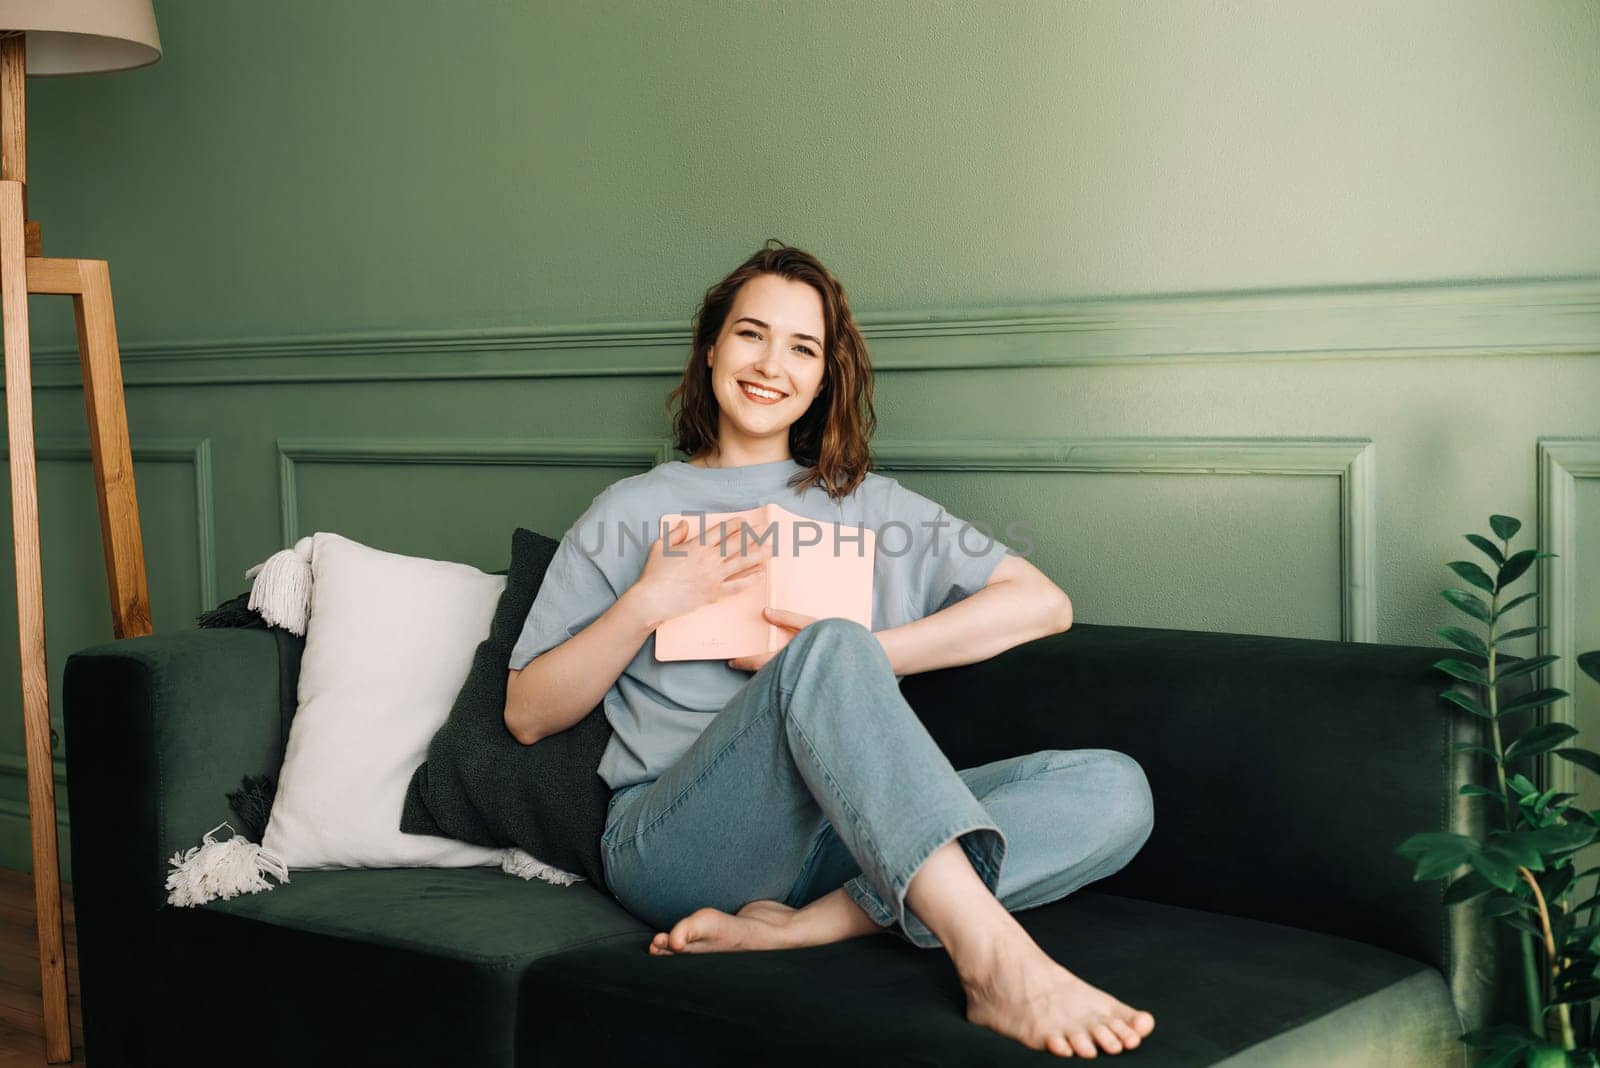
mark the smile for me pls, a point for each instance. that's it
(760, 394)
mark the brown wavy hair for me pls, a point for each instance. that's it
(832, 439)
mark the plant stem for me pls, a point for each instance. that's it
(1568, 1042)
(1530, 968)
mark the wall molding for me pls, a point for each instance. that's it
(195, 451)
(1536, 316)
(1562, 461)
(1350, 460)
(560, 452)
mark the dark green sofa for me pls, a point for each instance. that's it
(1266, 921)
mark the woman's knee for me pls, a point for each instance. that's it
(1130, 807)
(833, 644)
(1124, 807)
(831, 633)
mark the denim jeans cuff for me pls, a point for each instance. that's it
(986, 853)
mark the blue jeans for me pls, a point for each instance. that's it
(817, 774)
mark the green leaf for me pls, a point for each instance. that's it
(1494, 866)
(1505, 527)
(1589, 663)
(1586, 758)
(1523, 667)
(1519, 782)
(1468, 747)
(1517, 848)
(1466, 888)
(1506, 905)
(1463, 638)
(1456, 697)
(1489, 548)
(1471, 604)
(1473, 574)
(1557, 880)
(1474, 790)
(1520, 632)
(1513, 603)
(1437, 853)
(1540, 739)
(1536, 699)
(1560, 838)
(1523, 925)
(1462, 670)
(1515, 565)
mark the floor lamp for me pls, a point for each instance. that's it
(43, 39)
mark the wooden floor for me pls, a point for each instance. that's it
(21, 1007)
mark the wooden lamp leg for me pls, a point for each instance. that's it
(30, 626)
(120, 536)
(88, 282)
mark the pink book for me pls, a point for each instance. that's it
(818, 568)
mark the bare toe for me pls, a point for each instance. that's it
(1082, 1044)
(1107, 1038)
(1058, 1045)
(1142, 1022)
(1130, 1037)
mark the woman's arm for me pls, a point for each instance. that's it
(562, 685)
(1018, 604)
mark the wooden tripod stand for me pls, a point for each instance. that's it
(24, 270)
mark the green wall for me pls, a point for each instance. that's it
(1250, 311)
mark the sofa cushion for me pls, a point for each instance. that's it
(477, 915)
(400, 967)
(479, 784)
(1217, 986)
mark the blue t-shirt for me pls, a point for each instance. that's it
(925, 560)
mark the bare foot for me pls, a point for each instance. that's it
(1021, 993)
(758, 925)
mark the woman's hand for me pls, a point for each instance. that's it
(789, 620)
(697, 571)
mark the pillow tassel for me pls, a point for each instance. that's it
(221, 869)
(525, 865)
(282, 589)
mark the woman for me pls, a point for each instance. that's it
(806, 803)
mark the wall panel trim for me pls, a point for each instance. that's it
(1349, 460)
(1562, 461)
(560, 452)
(1535, 316)
(194, 451)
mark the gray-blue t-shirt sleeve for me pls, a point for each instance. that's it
(948, 558)
(575, 593)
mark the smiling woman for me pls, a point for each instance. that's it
(807, 803)
(785, 361)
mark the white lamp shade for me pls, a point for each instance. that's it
(84, 36)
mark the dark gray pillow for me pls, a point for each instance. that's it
(481, 785)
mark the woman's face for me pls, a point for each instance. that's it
(772, 340)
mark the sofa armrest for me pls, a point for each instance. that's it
(159, 729)
(1284, 771)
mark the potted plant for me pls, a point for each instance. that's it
(1524, 863)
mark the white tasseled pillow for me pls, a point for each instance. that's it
(389, 641)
